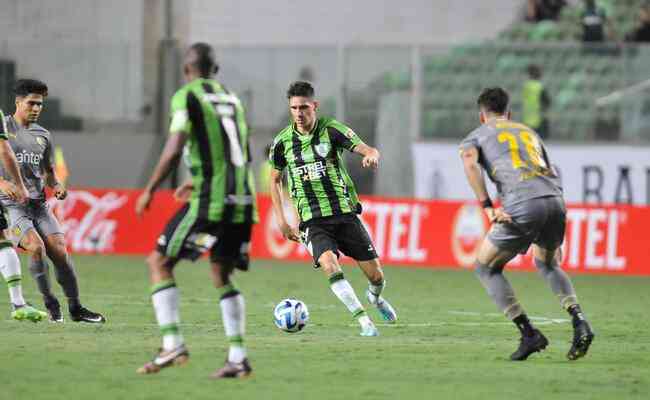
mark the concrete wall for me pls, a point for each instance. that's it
(89, 52)
(292, 22)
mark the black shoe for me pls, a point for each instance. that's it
(529, 345)
(82, 314)
(54, 310)
(582, 338)
(233, 370)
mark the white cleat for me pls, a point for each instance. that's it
(369, 330)
(385, 309)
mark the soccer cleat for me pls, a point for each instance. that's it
(27, 313)
(82, 314)
(176, 357)
(233, 370)
(529, 345)
(582, 338)
(54, 311)
(369, 330)
(385, 309)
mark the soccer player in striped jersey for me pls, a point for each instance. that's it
(208, 122)
(326, 200)
(9, 262)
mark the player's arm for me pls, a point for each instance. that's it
(168, 159)
(49, 176)
(370, 155)
(469, 155)
(17, 191)
(276, 189)
(344, 137)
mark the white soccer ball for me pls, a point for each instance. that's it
(291, 315)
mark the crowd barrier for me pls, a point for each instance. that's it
(430, 234)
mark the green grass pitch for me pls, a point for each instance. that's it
(449, 343)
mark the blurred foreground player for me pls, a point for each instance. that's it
(324, 195)
(532, 212)
(32, 226)
(209, 122)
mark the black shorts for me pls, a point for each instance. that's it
(187, 236)
(344, 233)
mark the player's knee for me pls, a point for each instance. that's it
(545, 266)
(483, 271)
(328, 262)
(376, 274)
(156, 263)
(35, 247)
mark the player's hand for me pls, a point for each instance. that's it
(10, 190)
(143, 202)
(290, 232)
(497, 215)
(60, 192)
(183, 192)
(371, 160)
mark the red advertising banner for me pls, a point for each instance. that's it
(599, 239)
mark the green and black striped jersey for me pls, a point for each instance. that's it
(3, 126)
(217, 151)
(319, 184)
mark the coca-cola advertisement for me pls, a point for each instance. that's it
(429, 234)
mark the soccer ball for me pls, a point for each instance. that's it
(291, 315)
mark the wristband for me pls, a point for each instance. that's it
(487, 203)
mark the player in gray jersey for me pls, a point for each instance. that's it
(32, 225)
(532, 212)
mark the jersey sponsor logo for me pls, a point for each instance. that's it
(25, 157)
(240, 199)
(41, 141)
(349, 133)
(322, 149)
(311, 171)
(468, 230)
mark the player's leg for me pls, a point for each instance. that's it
(165, 295)
(165, 299)
(230, 253)
(376, 284)
(31, 242)
(354, 241)
(342, 289)
(10, 270)
(489, 270)
(548, 255)
(66, 277)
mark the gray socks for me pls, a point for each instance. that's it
(499, 289)
(40, 273)
(559, 282)
(65, 276)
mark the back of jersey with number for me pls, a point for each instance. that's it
(516, 160)
(217, 151)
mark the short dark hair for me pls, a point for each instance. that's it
(25, 87)
(301, 89)
(205, 61)
(534, 71)
(494, 100)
